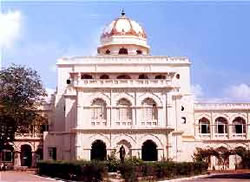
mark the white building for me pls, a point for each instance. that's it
(126, 97)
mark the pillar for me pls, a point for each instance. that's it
(17, 158)
(169, 111)
(34, 159)
(232, 162)
(77, 146)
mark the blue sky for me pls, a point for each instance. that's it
(214, 35)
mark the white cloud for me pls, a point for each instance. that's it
(239, 92)
(197, 90)
(10, 24)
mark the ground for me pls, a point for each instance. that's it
(229, 177)
(12, 176)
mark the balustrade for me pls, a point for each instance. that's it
(221, 106)
(28, 135)
(207, 136)
(122, 83)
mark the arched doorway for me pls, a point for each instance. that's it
(98, 150)
(26, 155)
(149, 151)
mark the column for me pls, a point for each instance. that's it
(232, 162)
(162, 113)
(212, 127)
(247, 127)
(135, 122)
(230, 127)
(77, 146)
(213, 163)
(110, 109)
(133, 116)
(78, 110)
(17, 158)
(169, 111)
(34, 159)
(160, 154)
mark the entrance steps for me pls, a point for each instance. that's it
(114, 177)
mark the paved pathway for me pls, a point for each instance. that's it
(244, 177)
(12, 176)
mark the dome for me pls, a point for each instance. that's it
(123, 35)
(123, 26)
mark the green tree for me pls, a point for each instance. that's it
(21, 92)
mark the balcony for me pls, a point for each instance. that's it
(239, 135)
(221, 135)
(205, 136)
(123, 83)
(21, 136)
(99, 123)
(221, 106)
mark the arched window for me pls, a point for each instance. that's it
(104, 77)
(221, 125)
(239, 125)
(123, 51)
(99, 112)
(124, 112)
(143, 76)
(107, 51)
(138, 52)
(178, 76)
(204, 126)
(86, 76)
(160, 77)
(149, 112)
(123, 77)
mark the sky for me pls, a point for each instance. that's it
(214, 35)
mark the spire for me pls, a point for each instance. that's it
(123, 12)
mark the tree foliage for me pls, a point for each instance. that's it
(21, 92)
(222, 154)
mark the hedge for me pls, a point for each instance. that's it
(161, 170)
(131, 170)
(74, 170)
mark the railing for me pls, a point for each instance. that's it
(151, 123)
(239, 135)
(221, 135)
(123, 123)
(99, 122)
(28, 135)
(123, 83)
(220, 106)
(205, 136)
(127, 59)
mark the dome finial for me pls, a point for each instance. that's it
(123, 12)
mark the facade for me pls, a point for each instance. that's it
(27, 147)
(124, 98)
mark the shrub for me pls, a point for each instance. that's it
(112, 163)
(128, 171)
(131, 169)
(76, 170)
(165, 170)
